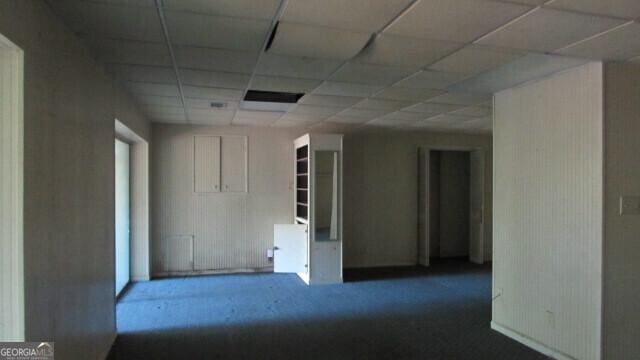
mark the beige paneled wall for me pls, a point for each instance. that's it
(69, 111)
(621, 323)
(548, 212)
(230, 231)
(381, 194)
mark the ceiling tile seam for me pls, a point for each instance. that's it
(373, 38)
(503, 26)
(265, 43)
(549, 5)
(100, 36)
(193, 12)
(595, 36)
(124, 5)
(165, 30)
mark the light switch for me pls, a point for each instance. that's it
(630, 205)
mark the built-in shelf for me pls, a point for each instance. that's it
(303, 159)
(303, 204)
(302, 220)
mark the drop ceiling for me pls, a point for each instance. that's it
(387, 64)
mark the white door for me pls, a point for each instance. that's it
(122, 215)
(290, 248)
(476, 204)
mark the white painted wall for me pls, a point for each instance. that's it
(621, 288)
(548, 158)
(228, 231)
(11, 193)
(69, 109)
(381, 193)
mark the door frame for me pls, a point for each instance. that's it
(139, 240)
(424, 202)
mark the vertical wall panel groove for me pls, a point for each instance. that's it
(548, 211)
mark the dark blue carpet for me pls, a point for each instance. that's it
(399, 313)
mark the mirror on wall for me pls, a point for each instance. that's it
(326, 195)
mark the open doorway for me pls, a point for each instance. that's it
(122, 214)
(451, 205)
(131, 185)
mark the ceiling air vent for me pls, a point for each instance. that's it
(218, 105)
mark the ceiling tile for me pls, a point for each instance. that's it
(363, 113)
(329, 100)
(370, 74)
(212, 93)
(159, 100)
(627, 9)
(317, 42)
(346, 89)
(241, 121)
(528, 2)
(359, 15)
(112, 21)
(140, 73)
(214, 79)
(197, 103)
(167, 118)
(547, 30)
(527, 68)
(131, 52)
(404, 115)
(298, 120)
(160, 109)
(216, 32)
(346, 119)
(152, 89)
(444, 119)
(279, 83)
(318, 111)
(474, 59)
(474, 111)
(432, 108)
(459, 98)
(215, 59)
(389, 122)
(255, 9)
(259, 115)
(210, 117)
(622, 43)
(402, 51)
(296, 66)
(407, 94)
(455, 20)
(381, 104)
(431, 79)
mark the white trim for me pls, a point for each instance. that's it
(529, 342)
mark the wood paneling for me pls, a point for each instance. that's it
(206, 157)
(70, 106)
(548, 211)
(231, 230)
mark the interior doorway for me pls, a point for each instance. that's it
(451, 204)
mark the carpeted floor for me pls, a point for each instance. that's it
(398, 313)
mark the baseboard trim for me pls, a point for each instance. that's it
(529, 342)
(140, 278)
(212, 272)
(394, 264)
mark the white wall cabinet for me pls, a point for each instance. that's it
(312, 245)
(220, 164)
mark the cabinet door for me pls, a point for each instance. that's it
(206, 164)
(234, 164)
(290, 248)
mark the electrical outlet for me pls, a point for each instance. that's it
(630, 205)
